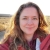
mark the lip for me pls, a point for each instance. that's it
(29, 27)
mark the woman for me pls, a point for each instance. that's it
(27, 29)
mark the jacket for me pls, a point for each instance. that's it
(45, 45)
(5, 46)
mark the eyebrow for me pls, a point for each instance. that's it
(25, 16)
(32, 16)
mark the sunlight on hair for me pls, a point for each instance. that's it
(47, 21)
(10, 26)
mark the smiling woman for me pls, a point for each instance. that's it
(27, 31)
(29, 21)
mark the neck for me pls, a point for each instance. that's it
(28, 37)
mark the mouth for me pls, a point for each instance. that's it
(29, 27)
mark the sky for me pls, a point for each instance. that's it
(11, 6)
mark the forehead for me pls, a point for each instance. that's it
(29, 11)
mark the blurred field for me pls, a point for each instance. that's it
(4, 20)
(48, 22)
(4, 24)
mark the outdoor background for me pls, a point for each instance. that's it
(10, 7)
(5, 19)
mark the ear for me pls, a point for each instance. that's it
(45, 45)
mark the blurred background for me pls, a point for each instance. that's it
(9, 7)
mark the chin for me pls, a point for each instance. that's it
(30, 33)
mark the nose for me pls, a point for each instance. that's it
(30, 22)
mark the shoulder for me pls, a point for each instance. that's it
(45, 42)
(43, 37)
(4, 46)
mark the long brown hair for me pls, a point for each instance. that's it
(14, 32)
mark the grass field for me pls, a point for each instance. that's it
(3, 25)
(4, 21)
(48, 20)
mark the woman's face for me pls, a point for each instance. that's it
(29, 20)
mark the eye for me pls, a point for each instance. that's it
(24, 18)
(35, 18)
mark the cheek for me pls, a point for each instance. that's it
(22, 23)
(36, 23)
